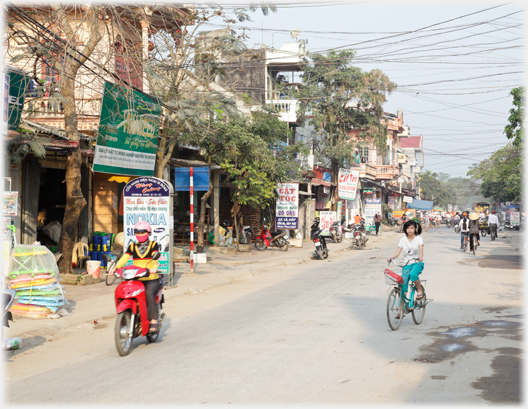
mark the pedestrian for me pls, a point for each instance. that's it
(493, 222)
(377, 222)
(412, 247)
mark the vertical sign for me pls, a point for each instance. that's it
(18, 83)
(287, 207)
(372, 206)
(149, 199)
(327, 219)
(128, 133)
(347, 184)
(10, 203)
(514, 218)
(391, 202)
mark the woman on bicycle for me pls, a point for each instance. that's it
(464, 229)
(474, 227)
(412, 247)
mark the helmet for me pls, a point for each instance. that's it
(493, 211)
(142, 225)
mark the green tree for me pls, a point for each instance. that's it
(253, 152)
(435, 190)
(515, 129)
(340, 98)
(501, 174)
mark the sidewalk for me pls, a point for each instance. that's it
(93, 302)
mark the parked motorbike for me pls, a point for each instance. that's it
(267, 239)
(321, 250)
(8, 298)
(336, 231)
(457, 228)
(131, 305)
(245, 234)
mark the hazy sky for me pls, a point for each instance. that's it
(454, 63)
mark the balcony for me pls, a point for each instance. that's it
(367, 171)
(386, 172)
(287, 108)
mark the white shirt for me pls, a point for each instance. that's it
(462, 225)
(411, 249)
(493, 219)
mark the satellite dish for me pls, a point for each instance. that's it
(295, 33)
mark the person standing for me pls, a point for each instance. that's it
(493, 222)
(377, 222)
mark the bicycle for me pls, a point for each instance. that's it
(466, 241)
(397, 302)
(474, 240)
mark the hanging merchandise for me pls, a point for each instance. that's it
(33, 274)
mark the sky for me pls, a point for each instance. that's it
(454, 64)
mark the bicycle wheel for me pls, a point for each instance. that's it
(483, 233)
(394, 309)
(474, 239)
(418, 313)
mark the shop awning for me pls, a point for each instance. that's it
(420, 205)
(319, 182)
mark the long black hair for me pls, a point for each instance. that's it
(417, 227)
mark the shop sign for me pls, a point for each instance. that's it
(5, 105)
(398, 214)
(347, 183)
(128, 133)
(372, 206)
(10, 203)
(327, 218)
(17, 85)
(514, 218)
(391, 202)
(287, 206)
(150, 199)
(322, 196)
(407, 199)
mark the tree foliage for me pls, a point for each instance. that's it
(515, 129)
(435, 189)
(501, 174)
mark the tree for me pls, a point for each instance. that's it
(434, 189)
(515, 129)
(253, 153)
(501, 174)
(340, 98)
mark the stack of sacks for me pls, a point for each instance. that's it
(33, 274)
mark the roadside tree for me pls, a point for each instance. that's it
(339, 98)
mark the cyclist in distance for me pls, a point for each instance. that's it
(464, 229)
(474, 229)
(412, 247)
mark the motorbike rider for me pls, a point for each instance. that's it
(464, 228)
(357, 219)
(141, 253)
(493, 222)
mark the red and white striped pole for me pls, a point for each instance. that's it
(191, 256)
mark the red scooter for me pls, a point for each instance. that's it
(131, 305)
(267, 239)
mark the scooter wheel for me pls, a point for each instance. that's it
(124, 332)
(260, 245)
(325, 253)
(319, 254)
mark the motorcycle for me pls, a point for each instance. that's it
(8, 298)
(319, 241)
(245, 234)
(457, 228)
(267, 239)
(359, 236)
(131, 305)
(336, 231)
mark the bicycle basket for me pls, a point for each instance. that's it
(392, 278)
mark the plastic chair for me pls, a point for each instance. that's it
(79, 256)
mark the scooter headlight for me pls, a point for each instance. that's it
(129, 274)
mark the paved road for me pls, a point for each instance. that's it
(312, 333)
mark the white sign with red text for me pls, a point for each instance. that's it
(327, 218)
(347, 183)
(287, 207)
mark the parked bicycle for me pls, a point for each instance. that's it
(398, 304)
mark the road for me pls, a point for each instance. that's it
(308, 334)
